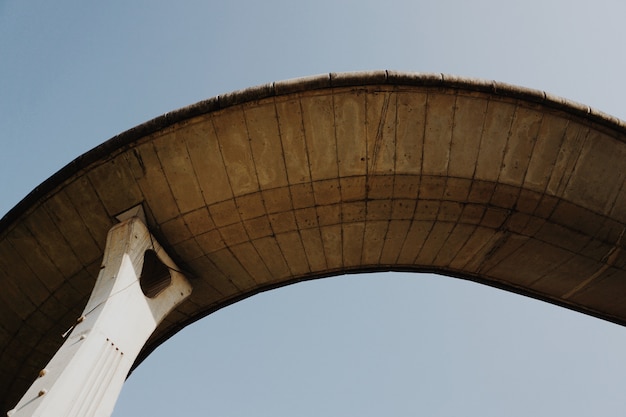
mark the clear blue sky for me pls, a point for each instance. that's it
(75, 73)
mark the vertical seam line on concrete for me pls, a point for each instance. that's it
(431, 225)
(507, 146)
(447, 176)
(457, 225)
(366, 105)
(379, 131)
(27, 264)
(33, 307)
(553, 165)
(142, 191)
(389, 96)
(260, 193)
(465, 242)
(619, 192)
(44, 207)
(523, 180)
(473, 175)
(480, 147)
(482, 135)
(311, 181)
(366, 179)
(50, 212)
(232, 193)
(421, 174)
(479, 249)
(338, 173)
(101, 203)
(288, 186)
(169, 187)
(452, 128)
(530, 157)
(393, 93)
(608, 206)
(488, 204)
(370, 169)
(206, 209)
(530, 154)
(200, 189)
(195, 179)
(567, 176)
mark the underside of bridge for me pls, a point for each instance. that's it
(324, 176)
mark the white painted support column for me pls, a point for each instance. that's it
(86, 375)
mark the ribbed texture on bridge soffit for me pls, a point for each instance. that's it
(306, 179)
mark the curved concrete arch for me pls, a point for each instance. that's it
(329, 175)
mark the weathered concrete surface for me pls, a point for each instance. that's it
(327, 175)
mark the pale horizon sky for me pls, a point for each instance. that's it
(74, 74)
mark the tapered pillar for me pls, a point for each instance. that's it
(137, 287)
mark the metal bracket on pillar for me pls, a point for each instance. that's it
(137, 287)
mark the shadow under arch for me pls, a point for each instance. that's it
(328, 175)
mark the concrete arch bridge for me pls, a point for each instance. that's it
(308, 178)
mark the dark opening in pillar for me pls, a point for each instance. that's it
(155, 276)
